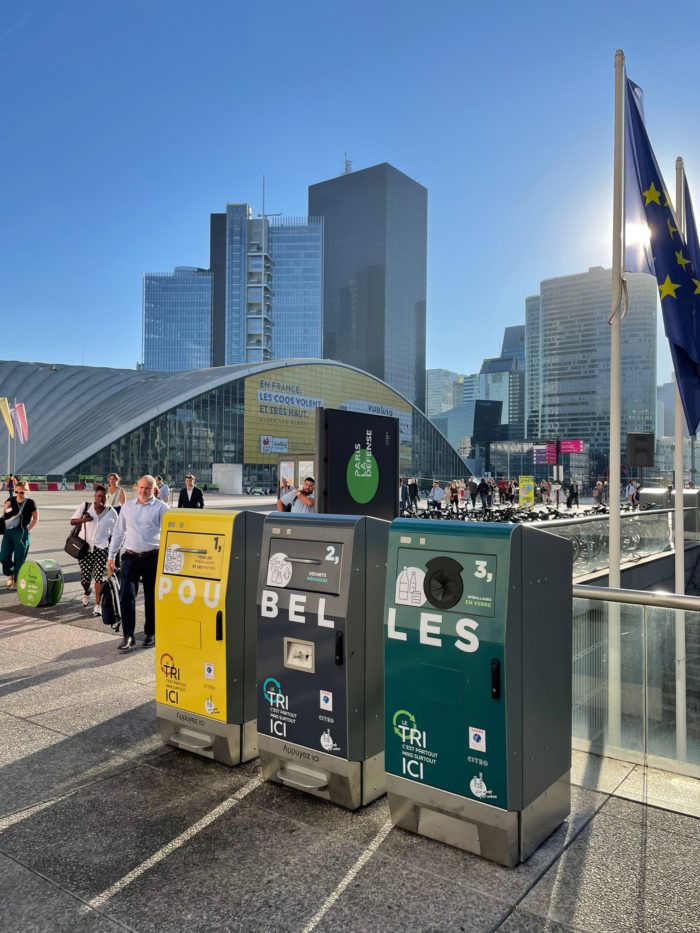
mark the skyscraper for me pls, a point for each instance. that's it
(375, 257)
(261, 299)
(441, 388)
(502, 379)
(267, 297)
(177, 319)
(568, 359)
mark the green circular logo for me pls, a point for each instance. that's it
(31, 584)
(402, 720)
(39, 583)
(362, 476)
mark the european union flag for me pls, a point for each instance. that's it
(677, 276)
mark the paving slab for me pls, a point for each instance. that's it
(520, 921)
(86, 841)
(121, 722)
(417, 853)
(389, 896)
(256, 870)
(621, 876)
(188, 768)
(47, 640)
(358, 827)
(14, 661)
(662, 789)
(33, 905)
(595, 773)
(38, 763)
(683, 825)
(62, 687)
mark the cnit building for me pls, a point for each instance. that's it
(87, 421)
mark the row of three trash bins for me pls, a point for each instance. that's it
(357, 657)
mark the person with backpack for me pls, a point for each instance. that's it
(299, 500)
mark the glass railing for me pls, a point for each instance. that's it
(636, 677)
(642, 535)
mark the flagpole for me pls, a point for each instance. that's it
(679, 540)
(14, 446)
(618, 244)
(679, 537)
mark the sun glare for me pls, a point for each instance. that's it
(637, 235)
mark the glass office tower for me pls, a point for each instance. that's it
(177, 309)
(568, 359)
(268, 295)
(296, 247)
(441, 387)
(375, 257)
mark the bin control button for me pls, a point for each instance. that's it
(300, 655)
(443, 586)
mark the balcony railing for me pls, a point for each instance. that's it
(642, 534)
(636, 677)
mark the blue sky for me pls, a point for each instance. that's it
(124, 124)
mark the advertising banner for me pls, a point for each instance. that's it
(571, 447)
(526, 484)
(273, 445)
(5, 411)
(281, 404)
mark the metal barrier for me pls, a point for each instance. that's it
(636, 677)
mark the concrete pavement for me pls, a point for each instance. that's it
(104, 829)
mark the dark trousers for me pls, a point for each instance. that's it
(135, 569)
(15, 546)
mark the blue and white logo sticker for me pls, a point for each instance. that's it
(477, 739)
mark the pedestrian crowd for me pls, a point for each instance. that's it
(120, 537)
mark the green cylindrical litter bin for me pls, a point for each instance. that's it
(39, 583)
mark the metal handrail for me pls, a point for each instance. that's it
(638, 597)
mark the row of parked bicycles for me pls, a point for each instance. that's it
(641, 534)
(501, 513)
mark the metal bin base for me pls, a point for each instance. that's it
(229, 743)
(349, 784)
(504, 836)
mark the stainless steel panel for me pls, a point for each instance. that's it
(335, 779)
(544, 815)
(228, 743)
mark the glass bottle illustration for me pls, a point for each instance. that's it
(403, 586)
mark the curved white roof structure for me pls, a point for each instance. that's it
(74, 411)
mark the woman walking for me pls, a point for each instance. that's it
(116, 497)
(19, 516)
(97, 526)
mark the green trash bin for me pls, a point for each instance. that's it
(478, 684)
(39, 583)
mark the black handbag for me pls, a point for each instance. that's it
(76, 546)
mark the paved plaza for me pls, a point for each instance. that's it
(104, 829)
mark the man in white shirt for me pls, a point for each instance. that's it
(138, 529)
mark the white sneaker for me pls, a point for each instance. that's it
(97, 611)
(85, 600)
